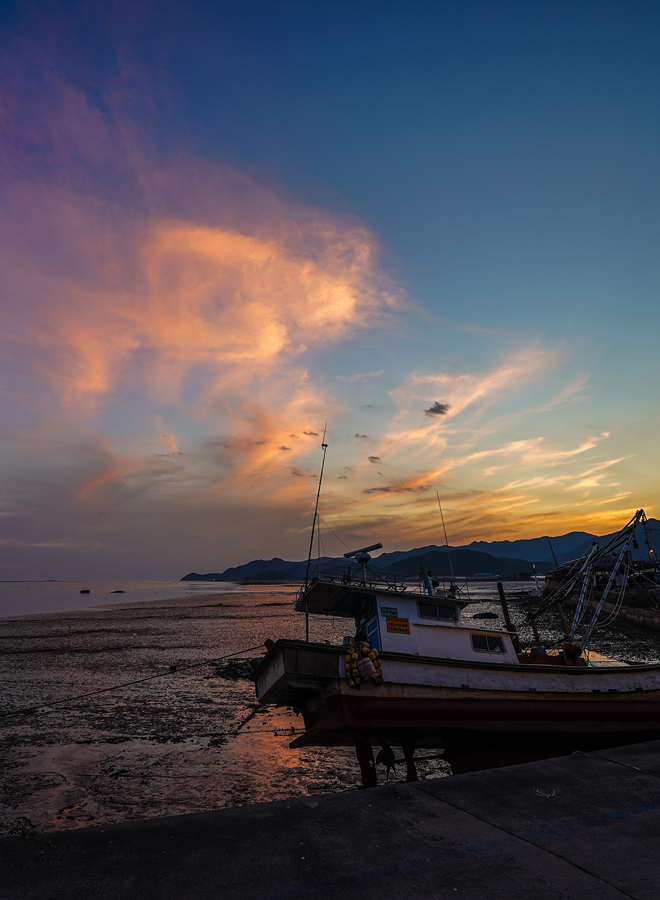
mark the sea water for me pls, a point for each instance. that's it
(28, 597)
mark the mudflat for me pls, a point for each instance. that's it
(190, 741)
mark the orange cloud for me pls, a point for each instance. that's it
(121, 269)
(178, 285)
(239, 305)
(113, 474)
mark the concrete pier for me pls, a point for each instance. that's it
(585, 827)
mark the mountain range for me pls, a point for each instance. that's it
(499, 558)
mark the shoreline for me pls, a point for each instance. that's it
(581, 826)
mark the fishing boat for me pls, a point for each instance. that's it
(416, 671)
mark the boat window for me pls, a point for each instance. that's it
(367, 611)
(487, 643)
(436, 611)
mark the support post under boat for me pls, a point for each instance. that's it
(365, 757)
(408, 747)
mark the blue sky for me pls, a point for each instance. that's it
(228, 224)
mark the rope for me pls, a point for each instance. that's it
(278, 732)
(335, 534)
(29, 710)
(609, 619)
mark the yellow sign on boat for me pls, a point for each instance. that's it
(398, 626)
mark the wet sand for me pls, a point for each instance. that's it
(188, 742)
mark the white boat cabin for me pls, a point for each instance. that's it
(430, 626)
(414, 623)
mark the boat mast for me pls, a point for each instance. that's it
(451, 565)
(311, 539)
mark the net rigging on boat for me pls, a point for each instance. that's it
(595, 577)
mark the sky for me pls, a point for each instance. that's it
(431, 225)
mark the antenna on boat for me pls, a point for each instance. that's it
(451, 565)
(362, 557)
(311, 539)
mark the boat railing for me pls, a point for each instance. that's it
(362, 579)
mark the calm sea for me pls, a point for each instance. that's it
(23, 598)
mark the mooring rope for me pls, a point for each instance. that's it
(41, 707)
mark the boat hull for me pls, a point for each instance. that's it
(474, 712)
(445, 710)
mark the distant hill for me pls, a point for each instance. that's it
(210, 576)
(266, 570)
(464, 562)
(277, 575)
(386, 559)
(498, 557)
(238, 573)
(566, 546)
(534, 548)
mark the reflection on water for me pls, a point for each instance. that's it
(191, 741)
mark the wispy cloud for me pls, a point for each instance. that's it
(364, 376)
(461, 391)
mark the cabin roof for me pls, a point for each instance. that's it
(332, 598)
(329, 598)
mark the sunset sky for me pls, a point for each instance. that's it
(432, 225)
